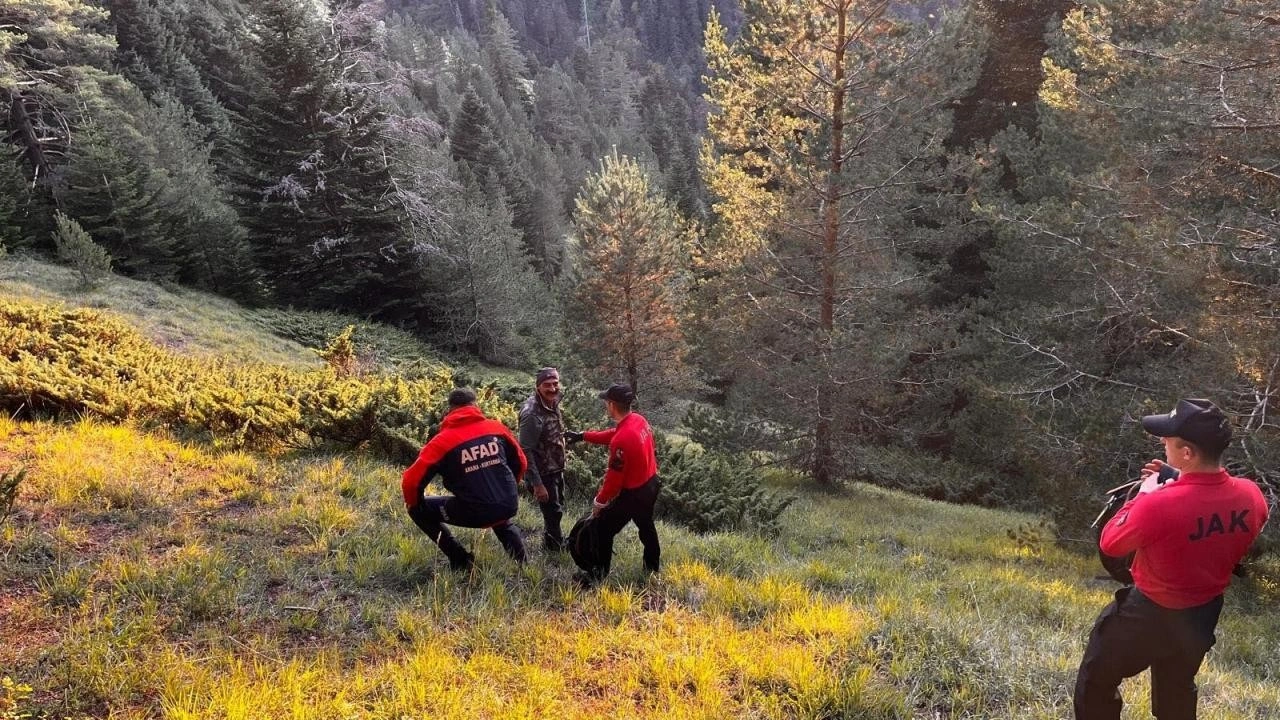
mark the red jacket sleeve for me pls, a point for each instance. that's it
(615, 473)
(416, 476)
(600, 437)
(1136, 525)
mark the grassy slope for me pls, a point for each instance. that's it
(177, 318)
(142, 577)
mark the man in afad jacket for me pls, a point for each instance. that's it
(630, 488)
(1186, 535)
(481, 463)
(542, 439)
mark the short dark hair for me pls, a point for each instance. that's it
(461, 397)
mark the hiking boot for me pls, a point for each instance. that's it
(462, 563)
(585, 580)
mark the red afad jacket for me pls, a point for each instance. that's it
(479, 459)
(1188, 536)
(632, 459)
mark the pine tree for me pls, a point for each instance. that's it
(111, 189)
(1137, 270)
(484, 295)
(78, 249)
(505, 61)
(631, 252)
(825, 118)
(42, 46)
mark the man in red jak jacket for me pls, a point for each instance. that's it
(1186, 535)
(481, 463)
(630, 488)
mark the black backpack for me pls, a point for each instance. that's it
(584, 544)
(1116, 567)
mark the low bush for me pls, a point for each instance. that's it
(371, 343)
(58, 362)
(926, 475)
(713, 492)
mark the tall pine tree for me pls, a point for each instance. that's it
(631, 251)
(826, 119)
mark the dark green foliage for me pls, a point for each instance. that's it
(77, 249)
(714, 492)
(319, 199)
(923, 474)
(702, 490)
(726, 432)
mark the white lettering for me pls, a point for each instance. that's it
(479, 452)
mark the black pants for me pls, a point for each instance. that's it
(431, 514)
(1133, 634)
(634, 505)
(552, 510)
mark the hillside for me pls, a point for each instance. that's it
(147, 572)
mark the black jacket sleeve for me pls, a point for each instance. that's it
(530, 435)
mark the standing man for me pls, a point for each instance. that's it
(630, 488)
(542, 438)
(1187, 535)
(481, 464)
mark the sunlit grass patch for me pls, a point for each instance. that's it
(319, 598)
(89, 465)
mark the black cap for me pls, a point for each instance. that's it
(620, 393)
(460, 397)
(1196, 421)
(547, 373)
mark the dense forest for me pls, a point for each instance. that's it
(954, 248)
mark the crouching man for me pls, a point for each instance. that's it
(1186, 535)
(481, 463)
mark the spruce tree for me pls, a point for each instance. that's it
(319, 200)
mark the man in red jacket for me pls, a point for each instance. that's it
(481, 463)
(630, 488)
(1186, 535)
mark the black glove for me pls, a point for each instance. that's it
(572, 436)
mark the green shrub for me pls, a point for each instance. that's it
(926, 475)
(727, 432)
(77, 249)
(714, 492)
(55, 361)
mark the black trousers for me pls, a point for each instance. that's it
(553, 510)
(634, 505)
(433, 512)
(1133, 634)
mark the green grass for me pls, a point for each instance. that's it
(173, 580)
(143, 575)
(177, 318)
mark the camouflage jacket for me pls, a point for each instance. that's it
(542, 439)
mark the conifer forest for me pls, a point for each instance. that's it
(955, 248)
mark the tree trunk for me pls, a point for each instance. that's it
(824, 451)
(24, 133)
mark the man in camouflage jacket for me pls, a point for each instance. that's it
(542, 439)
